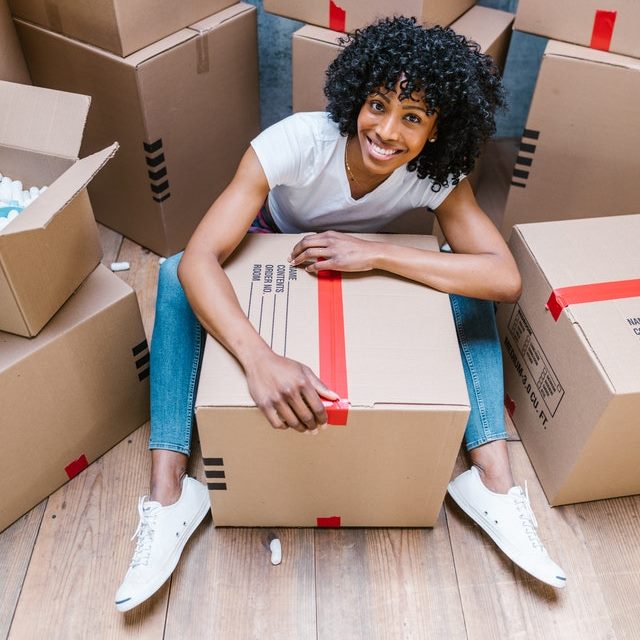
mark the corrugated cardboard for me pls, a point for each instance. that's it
(13, 68)
(53, 245)
(347, 15)
(120, 26)
(390, 464)
(70, 393)
(615, 23)
(314, 48)
(573, 385)
(578, 157)
(183, 110)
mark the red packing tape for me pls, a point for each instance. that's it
(337, 17)
(332, 522)
(333, 358)
(596, 292)
(509, 405)
(75, 467)
(603, 24)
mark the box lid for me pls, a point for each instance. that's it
(59, 193)
(400, 340)
(483, 25)
(566, 50)
(42, 120)
(590, 251)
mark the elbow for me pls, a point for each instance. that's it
(511, 290)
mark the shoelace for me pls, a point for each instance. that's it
(528, 518)
(144, 532)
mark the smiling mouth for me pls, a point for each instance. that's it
(381, 152)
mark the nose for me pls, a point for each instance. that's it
(387, 128)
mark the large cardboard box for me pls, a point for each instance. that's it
(612, 26)
(53, 245)
(13, 68)
(120, 26)
(578, 157)
(183, 110)
(70, 393)
(571, 350)
(388, 346)
(347, 15)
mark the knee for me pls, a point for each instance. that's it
(168, 277)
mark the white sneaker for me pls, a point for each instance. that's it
(509, 521)
(162, 533)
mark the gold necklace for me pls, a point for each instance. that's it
(346, 164)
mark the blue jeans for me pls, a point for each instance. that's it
(178, 343)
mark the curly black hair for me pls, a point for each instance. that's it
(458, 81)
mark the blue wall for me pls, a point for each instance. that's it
(274, 35)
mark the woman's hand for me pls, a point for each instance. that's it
(288, 393)
(334, 250)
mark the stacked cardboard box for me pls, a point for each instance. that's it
(66, 397)
(571, 350)
(392, 440)
(183, 108)
(12, 65)
(578, 155)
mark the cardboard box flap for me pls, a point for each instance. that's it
(214, 21)
(42, 120)
(566, 50)
(610, 328)
(61, 192)
(320, 34)
(483, 25)
(155, 49)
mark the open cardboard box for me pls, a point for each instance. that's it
(388, 346)
(53, 245)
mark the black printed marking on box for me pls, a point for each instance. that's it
(531, 133)
(217, 486)
(154, 162)
(535, 360)
(156, 175)
(518, 184)
(152, 147)
(524, 160)
(527, 148)
(520, 173)
(159, 188)
(143, 360)
(144, 374)
(212, 462)
(163, 198)
(139, 348)
(211, 473)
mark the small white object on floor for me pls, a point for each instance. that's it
(161, 260)
(119, 266)
(276, 551)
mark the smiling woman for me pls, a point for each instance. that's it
(408, 110)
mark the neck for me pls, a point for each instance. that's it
(359, 180)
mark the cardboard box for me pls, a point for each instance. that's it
(183, 110)
(612, 26)
(347, 15)
(72, 392)
(578, 157)
(13, 68)
(388, 346)
(120, 26)
(572, 373)
(53, 245)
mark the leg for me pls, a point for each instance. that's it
(486, 493)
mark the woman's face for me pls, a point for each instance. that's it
(391, 132)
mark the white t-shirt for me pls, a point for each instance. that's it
(302, 157)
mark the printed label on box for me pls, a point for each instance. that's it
(537, 371)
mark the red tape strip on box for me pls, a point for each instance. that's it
(337, 17)
(509, 405)
(333, 358)
(75, 467)
(596, 292)
(333, 522)
(603, 24)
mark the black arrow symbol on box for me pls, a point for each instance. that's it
(151, 147)
(156, 175)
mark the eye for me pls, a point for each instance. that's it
(413, 118)
(376, 105)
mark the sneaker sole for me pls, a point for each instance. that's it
(502, 544)
(172, 562)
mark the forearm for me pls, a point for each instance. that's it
(216, 306)
(486, 276)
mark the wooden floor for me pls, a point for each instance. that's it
(61, 563)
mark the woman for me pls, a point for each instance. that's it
(408, 110)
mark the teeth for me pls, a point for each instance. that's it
(384, 152)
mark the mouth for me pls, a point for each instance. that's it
(380, 152)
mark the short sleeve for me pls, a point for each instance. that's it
(435, 198)
(284, 149)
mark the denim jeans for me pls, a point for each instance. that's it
(178, 343)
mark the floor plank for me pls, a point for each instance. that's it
(16, 547)
(387, 584)
(82, 553)
(111, 242)
(502, 601)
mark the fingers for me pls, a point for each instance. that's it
(310, 255)
(322, 389)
